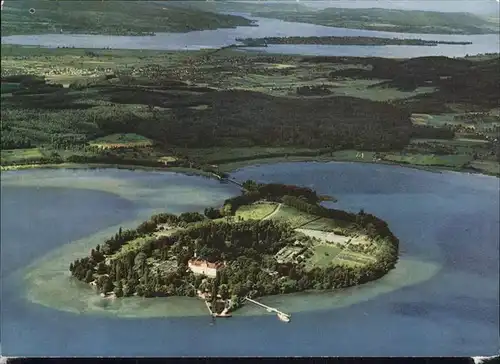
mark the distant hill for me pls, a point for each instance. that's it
(391, 20)
(108, 17)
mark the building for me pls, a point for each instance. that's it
(199, 266)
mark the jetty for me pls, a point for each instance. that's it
(209, 308)
(281, 315)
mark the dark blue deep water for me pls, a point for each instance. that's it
(449, 219)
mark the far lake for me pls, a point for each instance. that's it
(486, 43)
(440, 300)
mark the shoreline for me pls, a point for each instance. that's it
(232, 167)
(187, 171)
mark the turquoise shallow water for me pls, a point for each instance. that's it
(442, 298)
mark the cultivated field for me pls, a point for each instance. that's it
(351, 258)
(14, 155)
(323, 256)
(452, 160)
(121, 141)
(325, 224)
(293, 216)
(325, 236)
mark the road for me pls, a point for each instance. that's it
(273, 213)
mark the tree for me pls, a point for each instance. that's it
(212, 213)
(118, 272)
(215, 286)
(101, 268)
(89, 276)
(237, 289)
(128, 290)
(107, 286)
(140, 263)
(250, 185)
(119, 289)
(224, 291)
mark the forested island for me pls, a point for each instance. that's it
(271, 239)
(333, 40)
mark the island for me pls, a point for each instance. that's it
(333, 40)
(271, 239)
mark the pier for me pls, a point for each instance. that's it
(209, 309)
(281, 315)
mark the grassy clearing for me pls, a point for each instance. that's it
(351, 258)
(256, 211)
(323, 256)
(458, 118)
(293, 216)
(434, 120)
(361, 89)
(325, 224)
(353, 155)
(14, 155)
(452, 160)
(325, 236)
(122, 140)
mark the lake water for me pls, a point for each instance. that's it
(441, 299)
(486, 43)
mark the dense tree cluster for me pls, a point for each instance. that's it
(313, 90)
(13, 140)
(318, 210)
(430, 132)
(229, 118)
(270, 192)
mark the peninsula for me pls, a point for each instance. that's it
(332, 40)
(271, 239)
(389, 20)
